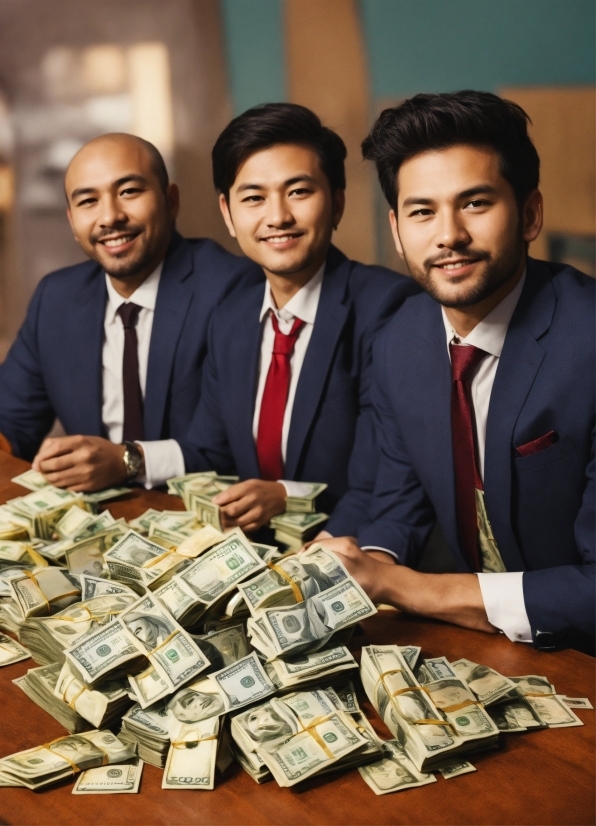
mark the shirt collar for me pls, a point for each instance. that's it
(489, 334)
(303, 305)
(145, 295)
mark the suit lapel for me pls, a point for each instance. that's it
(172, 305)
(519, 363)
(85, 351)
(329, 323)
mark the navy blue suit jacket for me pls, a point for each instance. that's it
(54, 368)
(541, 506)
(332, 390)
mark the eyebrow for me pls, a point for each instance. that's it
(89, 190)
(483, 189)
(290, 182)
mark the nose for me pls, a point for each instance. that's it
(111, 212)
(451, 230)
(279, 214)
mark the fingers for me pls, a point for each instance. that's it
(231, 494)
(60, 463)
(58, 446)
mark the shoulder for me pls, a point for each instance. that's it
(67, 282)
(414, 316)
(574, 291)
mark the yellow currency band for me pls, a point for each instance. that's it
(293, 585)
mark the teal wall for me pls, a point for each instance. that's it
(444, 45)
(255, 51)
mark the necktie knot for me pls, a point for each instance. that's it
(129, 313)
(283, 344)
(464, 360)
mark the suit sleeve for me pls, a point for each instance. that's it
(562, 600)
(350, 512)
(400, 516)
(26, 413)
(206, 446)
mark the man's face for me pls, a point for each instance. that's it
(197, 705)
(458, 224)
(117, 209)
(281, 209)
(145, 631)
(265, 724)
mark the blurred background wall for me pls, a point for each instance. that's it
(174, 72)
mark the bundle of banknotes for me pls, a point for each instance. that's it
(202, 646)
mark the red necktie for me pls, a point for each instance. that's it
(464, 359)
(133, 397)
(273, 404)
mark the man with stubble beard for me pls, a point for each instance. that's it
(114, 347)
(483, 386)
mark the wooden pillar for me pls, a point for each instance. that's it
(327, 71)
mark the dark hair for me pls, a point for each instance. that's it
(276, 123)
(427, 122)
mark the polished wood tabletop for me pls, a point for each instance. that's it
(541, 777)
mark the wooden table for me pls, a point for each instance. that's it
(543, 777)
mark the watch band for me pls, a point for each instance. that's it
(133, 460)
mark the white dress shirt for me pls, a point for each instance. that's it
(304, 306)
(502, 593)
(163, 458)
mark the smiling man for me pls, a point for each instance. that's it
(114, 347)
(287, 381)
(483, 386)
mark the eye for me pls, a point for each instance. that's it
(423, 212)
(300, 190)
(478, 203)
(251, 199)
(131, 190)
(86, 202)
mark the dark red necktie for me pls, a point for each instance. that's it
(273, 404)
(464, 359)
(133, 397)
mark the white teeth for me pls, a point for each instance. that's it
(280, 239)
(455, 266)
(117, 242)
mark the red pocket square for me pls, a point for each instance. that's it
(538, 444)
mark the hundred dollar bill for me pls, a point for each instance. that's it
(306, 502)
(74, 522)
(192, 755)
(48, 590)
(294, 529)
(277, 632)
(215, 573)
(14, 551)
(127, 559)
(436, 668)
(487, 684)
(98, 496)
(95, 706)
(395, 772)
(178, 555)
(149, 731)
(30, 479)
(100, 524)
(293, 579)
(576, 702)
(124, 778)
(550, 709)
(92, 586)
(86, 556)
(315, 665)
(11, 651)
(459, 706)
(40, 766)
(110, 650)
(454, 768)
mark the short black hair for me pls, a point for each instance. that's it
(430, 122)
(268, 125)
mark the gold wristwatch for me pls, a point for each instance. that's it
(133, 460)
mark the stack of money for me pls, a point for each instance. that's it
(40, 766)
(11, 651)
(427, 733)
(196, 751)
(198, 490)
(18, 551)
(183, 523)
(394, 772)
(33, 480)
(307, 501)
(310, 669)
(148, 730)
(309, 625)
(43, 509)
(66, 699)
(47, 591)
(292, 530)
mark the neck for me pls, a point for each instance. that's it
(285, 287)
(464, 319)
(127, 286)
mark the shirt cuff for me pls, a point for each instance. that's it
(296, 488)
(503, 597)
(383, 550)
(163, 460)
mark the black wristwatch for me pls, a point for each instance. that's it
(133, 460)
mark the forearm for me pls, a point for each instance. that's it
(453, 598)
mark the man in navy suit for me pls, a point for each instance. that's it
(286, 385)
(114, 347)
(483, 385)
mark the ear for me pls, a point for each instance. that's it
(532, 216)
(339, 204)
(173, 198)
(395, 232)
(225, 211)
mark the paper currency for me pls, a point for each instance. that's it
(30, 479)
(192, 755)
(456, 767)
(86, 555)
(127, 559)
(99, 706)
(47, 591)
(124, 778)
(294, 529)
(148, 730)
(306, 502)
(11, 651)
(394, 772)
(487, 684)
(74, 522)
(576, 702)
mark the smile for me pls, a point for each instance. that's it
(281, 239)
(456, 265)
(118, 241)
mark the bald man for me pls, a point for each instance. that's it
(114, 347)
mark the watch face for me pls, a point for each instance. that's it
(132, 460)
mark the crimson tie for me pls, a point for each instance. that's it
(273, 404)
(132, 430)
(464, 359)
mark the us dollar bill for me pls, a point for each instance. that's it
(125, 778)
(306, 502)
(127, 559)
(395, 772)
(192, 756)
(31, 479)
(47, 591)
(487, 684)
(11, 651)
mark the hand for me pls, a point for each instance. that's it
(251, 504)
(364, 566)
(81, 463)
